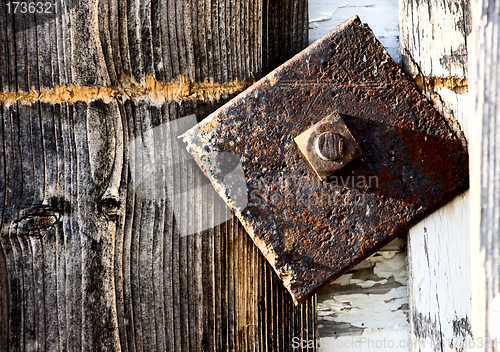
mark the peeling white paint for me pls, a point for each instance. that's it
(438, 251)
(380, 15)
(369, 303)
(433, 39)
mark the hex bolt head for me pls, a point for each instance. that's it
(329, 146)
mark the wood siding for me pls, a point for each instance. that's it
(87, 263)
(434, 54)
(485, 185)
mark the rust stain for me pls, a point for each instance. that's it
(150, 90)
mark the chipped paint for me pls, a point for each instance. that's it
(370, 301)
(434, 246)
(456, 84)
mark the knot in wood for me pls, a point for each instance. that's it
(329, 146)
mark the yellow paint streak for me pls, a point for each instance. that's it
(150, 90)
(458, 85)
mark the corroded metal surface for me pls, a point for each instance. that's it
(328, 146)
(312, 231)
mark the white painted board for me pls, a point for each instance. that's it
(367, 308)
(485, 174)
(434, 48)
(381, 15)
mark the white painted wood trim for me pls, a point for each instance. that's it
(434, 45)
(485, 173)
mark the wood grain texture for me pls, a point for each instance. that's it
(485, 186)
(434, 53)
(88, 263)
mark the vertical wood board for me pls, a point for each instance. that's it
(485, 184)
(434, 54)
(88, 261)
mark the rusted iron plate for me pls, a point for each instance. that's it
(312, 231)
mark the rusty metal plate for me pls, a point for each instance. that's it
(312, 231)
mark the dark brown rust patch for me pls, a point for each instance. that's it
(311, 231)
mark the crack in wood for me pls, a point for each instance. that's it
(430, 83)
(148, 90)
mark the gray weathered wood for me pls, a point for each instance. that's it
(485, 187)
(87, 262)
(434, 54)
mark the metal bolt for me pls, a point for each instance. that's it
(329, 146)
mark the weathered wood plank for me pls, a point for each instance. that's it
(367, 307)
(90, 261)
(381, 15)
(485, 187)
(434, 53)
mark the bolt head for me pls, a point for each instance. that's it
(328, 146)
